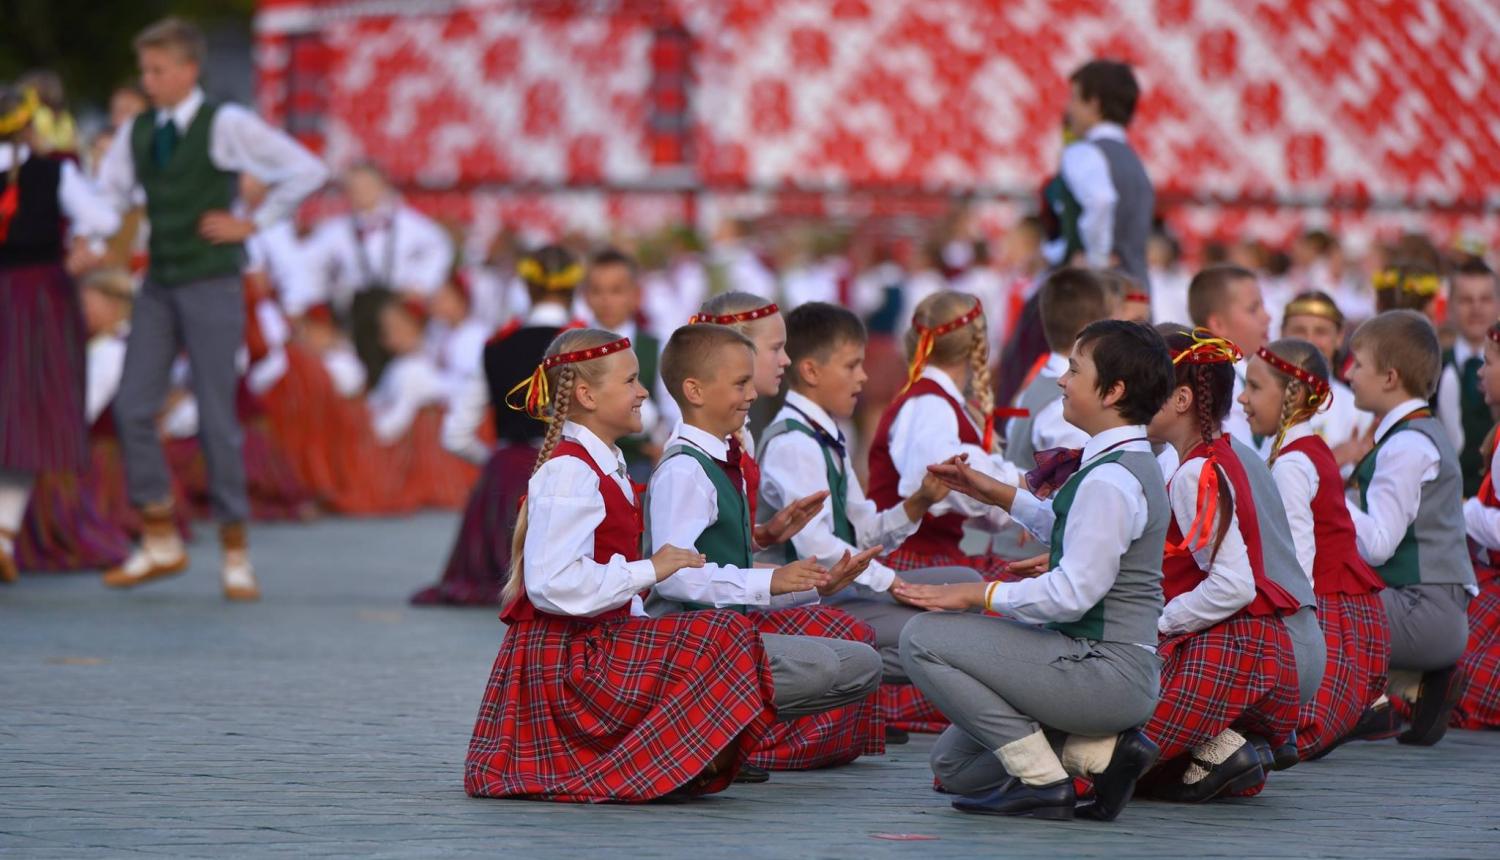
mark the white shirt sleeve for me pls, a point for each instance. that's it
(1108, 514)
(925, 432)
(242, 142)
(563, 508)
(117, 172)
(1298, 481)
(425, 253)
(343, 367)
(1482, 523)
(1450, 406)
(1035, 515)
(1050, 430)
(682, 503)
(1406, 461)
(1086, 173)
(1230, 583)
(415, 385)
(465, 415)
(90, 210)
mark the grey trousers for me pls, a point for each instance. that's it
(814, 674)
(1429, 625)
(998, 681)
(1310, 649)
(888, 616)
(207, 318)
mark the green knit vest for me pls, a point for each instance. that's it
(838, 486)
(727, 540)
(177, 195)
(1091, 625)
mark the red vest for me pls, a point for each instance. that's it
(1337, 567)
(1180, 571)
(937, 535)
(618, 534)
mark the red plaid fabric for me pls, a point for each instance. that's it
(1238, 674)
(904, 707)
(1480, 706)
(990, 566)
(624, 711)
(833, 737)
(1359, 653)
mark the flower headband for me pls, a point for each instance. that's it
(1314, 306)
(535, 386)
(731, 319)
(1419, 285)
(531, 272)
(20, 115)
(927, 339)
(1208, 348)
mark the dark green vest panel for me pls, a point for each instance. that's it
(178, 193)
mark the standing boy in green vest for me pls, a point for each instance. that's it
(1473, 305)
(186, 155)
(1076, 654)
(1407, 508)
(803, 452)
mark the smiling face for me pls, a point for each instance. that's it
(1321, 332)
(1265, 389)
(771, 361)
(1081, 402)
(610, 405)
(836, 382)
(722, 396)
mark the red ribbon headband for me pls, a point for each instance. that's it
(537, 395)
(1138, 297)
(589, 354)
(927, 339)
(731, 319)
(1208, 348)
(1319, 386)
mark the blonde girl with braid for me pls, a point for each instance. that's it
(946, 410)
(696, 684)
(1287, 384)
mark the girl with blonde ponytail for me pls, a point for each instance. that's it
(945, 410)
(1286, 385)
(547, 728)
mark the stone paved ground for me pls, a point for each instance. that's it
(331, 720)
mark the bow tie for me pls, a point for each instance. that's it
(1054, 466)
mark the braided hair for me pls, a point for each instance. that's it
(1298, 400)
(971, 343)
(1212, 387)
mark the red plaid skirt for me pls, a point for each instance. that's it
(833, 737)
(622, 711)
(990, 566)
(904, 707)
(1480, 706)
(1238, 674)
(1359, 655)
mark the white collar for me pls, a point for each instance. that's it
(625, 329)
(1114, 436)
(183, 112)
(1057, 365)
(608, 458)
(813, 411)
(1300, 430)
(945, 382)
(1394, 416)
(1463, 351)
(548, 314)
(13, 153)
(711, 445)
(1106, 131)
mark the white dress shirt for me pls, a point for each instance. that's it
(1297, 479)
(682, 503)
(925, 432)
(1402, 466)
(564, 507)
(419, 263)
(1481, 521)
(344, 368)
(458, 351)
(1109, 512)
(90, 213)
(1049, 429)
(238, 142)
(409, 383)
(1229, 585)
(792, 467)
(277, 251)
(1450, 409)
(262, 374)
(105, 360)
(468, 404)
(1086, 172)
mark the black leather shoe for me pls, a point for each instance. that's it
(1053, 802)
(749, 774)
(1440, 692)
(1286, 755)
(895, 737)
(1262, 751)
(1240, 772)
(1376, 724)
(1113, 787)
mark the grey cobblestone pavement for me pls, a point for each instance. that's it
(331, 719)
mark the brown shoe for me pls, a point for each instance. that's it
(8, 570)
(238, 576)
(161, 553)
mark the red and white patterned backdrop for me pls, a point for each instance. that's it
(1259, 117)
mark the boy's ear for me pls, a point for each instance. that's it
(807, 371)
(1114, 395)
(692, 391)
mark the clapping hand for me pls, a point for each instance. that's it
(789, 520)
(846, 569)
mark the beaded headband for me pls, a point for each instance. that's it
(1318, 386)
(1138, 297)
(1208, 348)
(538, 395)
(530, 271)
(1419, 285)
(731, 319)
(1314, 306)
(927, 340)
(20, 115)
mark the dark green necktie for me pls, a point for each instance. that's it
(164, 143)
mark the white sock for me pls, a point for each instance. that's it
(1032, 761)
(1405, 685)
(15, 491)
(1083, 756)
(1214, 751)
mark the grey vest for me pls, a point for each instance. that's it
(1131, 609)
(1434, 551)
(1041, 393)
(1134, 209)
(1278, 550)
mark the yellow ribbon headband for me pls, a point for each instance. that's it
(927, 340)
(538, 395)
(1417, 285)
(18, 117)
(531, 271)
(1208, 348)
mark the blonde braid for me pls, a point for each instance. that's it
(562, 397)
(981, 393)
(1292, 396)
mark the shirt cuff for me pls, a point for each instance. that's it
(758, 586)
(642, 574)
(877, 577)
(1024, 509)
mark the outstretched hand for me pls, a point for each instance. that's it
(847, 569)
(1029, 567)
(789, 520)
(958, 597)
(956, 473)
(670, 559)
